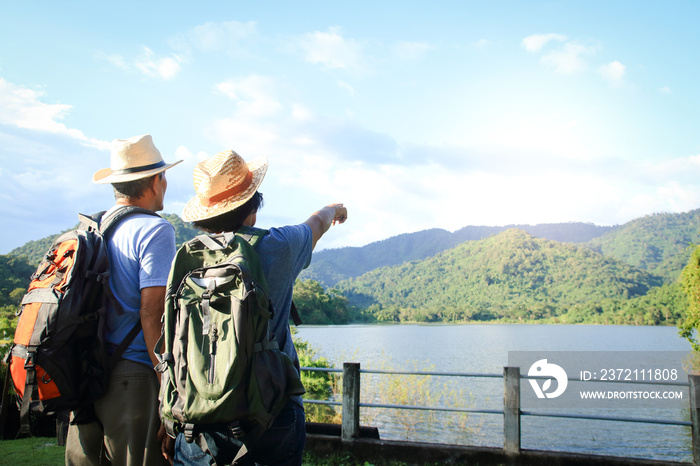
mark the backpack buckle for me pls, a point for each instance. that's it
(29, 362)
(236, 430)
(188, 430)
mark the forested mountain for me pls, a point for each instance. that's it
(569, 272)
(512, 274)
(660, 244)
(568, 232)
(34, 251)
(330, 266)
(14, 279)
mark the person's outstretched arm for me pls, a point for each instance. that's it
(322, 220)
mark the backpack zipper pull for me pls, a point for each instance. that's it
(212, 352)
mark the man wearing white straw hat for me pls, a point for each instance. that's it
(140, 249)
(227, 199)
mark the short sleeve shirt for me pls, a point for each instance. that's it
(284, 253)
(141, 250)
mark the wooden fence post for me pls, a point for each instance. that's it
(511, 410)
(694, 391)
(351, 401)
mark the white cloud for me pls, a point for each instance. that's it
(226, 36)
(45, 182)
(343, 85)
(255, 95)
(147, 63)
(481, 44)
(665, 90)
(301, 112)
(115, 59)
(331, 50)
(248, 137)
(536, 42)
(321, 162)
(157, 67)
(613, 72)
(568, 59)
(683, 170)
(22, 107)
(567, 56)
(411, 50)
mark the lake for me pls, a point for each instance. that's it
(477, 348)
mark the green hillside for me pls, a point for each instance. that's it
(14, 275)
(589, 274)
(656, 243)
(183, 231)
(17, 267)
(34, 251)
(512, 274)
(331, 266)
(659, 244)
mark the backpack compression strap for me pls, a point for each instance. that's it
(252, 236)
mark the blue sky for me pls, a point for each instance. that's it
(414, 114)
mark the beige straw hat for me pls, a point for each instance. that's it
(132, 159)
(222, 183)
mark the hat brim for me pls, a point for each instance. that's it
(194, 210)
(106, 176)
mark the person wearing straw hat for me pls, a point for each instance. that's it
(227, 198)
(127, 429)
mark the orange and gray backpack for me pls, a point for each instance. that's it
(59, 360)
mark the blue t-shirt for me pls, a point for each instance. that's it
(284, 253)
(141, 250)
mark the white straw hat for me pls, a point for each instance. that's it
(223, 182)
(132, 159)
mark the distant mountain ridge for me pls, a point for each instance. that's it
(660, 243)
(33, 251)
(657, 243)
(497, 277)
(331, 266)
(567, 272)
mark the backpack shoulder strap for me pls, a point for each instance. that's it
(128, 339)
(103, 224)
(251, 234)
(215, 243)
(106, 223)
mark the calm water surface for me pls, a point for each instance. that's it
(484, 348)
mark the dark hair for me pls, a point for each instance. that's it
(233, 219)
(133, 189)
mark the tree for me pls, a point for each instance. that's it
(319, 385)
(318, 307)
(690, 281)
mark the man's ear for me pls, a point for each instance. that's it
(154, 183)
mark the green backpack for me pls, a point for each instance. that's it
(219, 366)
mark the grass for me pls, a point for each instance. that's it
(344, 459)
(34, 451)
(43, 451)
